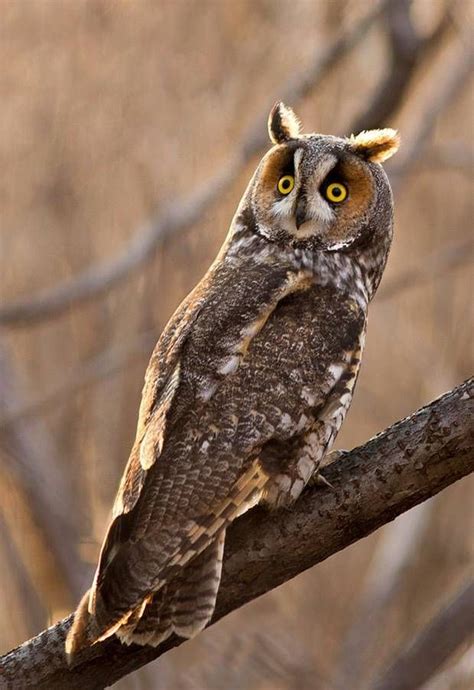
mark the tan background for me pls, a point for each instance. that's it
(111, 109)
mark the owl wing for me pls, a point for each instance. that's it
(161, 383)
(223, 337)
(153, 522)
(207, 412)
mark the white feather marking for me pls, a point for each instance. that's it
(251, 329)
(296, 488)
(308, 397)
(206, 393)
(283, 482)
(284, 208)
(265, 230)
(305, 467)
(229, 366)
(302, 423)
(336, 370)
(250, 504)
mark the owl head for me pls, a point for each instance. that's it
(321, 192)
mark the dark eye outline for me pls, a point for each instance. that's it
(284, 178)
(335, 183)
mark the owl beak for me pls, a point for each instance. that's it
(300, 216)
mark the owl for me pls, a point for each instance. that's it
(249, 382)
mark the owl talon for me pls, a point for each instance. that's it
(318, 480)
(335, 456)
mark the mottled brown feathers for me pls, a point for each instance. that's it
(249, 383)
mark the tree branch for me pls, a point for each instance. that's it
(455, 676)
(437, 263)
(401, 467)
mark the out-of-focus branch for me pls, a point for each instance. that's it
(30, 458)
(446, 86)
(32, 608)
(407, 48)
(418, 662)
(455, 155)
(392, 557)
(401, 467)
(434, 266)
(180, 215)
(103, 365)
(459, 674)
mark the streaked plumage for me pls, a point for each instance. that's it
(249, 382)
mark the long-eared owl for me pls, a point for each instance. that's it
(250, 381)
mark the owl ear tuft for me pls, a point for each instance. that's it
(282, 123)
(376, 145)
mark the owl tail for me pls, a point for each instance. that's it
(83, 631)
(184, 605)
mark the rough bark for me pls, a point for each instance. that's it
(401, 467)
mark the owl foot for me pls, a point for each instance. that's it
(318, 480)
(334, 456)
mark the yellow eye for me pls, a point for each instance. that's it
(286, 184)
(336, 192)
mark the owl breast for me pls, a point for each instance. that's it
(301, 363)
(319, 337)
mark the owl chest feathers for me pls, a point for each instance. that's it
(271, 339)
(294, 315)
(277, 358)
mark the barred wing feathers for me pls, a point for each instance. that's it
(190, 472)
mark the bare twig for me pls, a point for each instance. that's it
(450, 628)
(180, 215)
(456, 155)
(408, 463)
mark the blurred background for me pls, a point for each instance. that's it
(128, 132)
